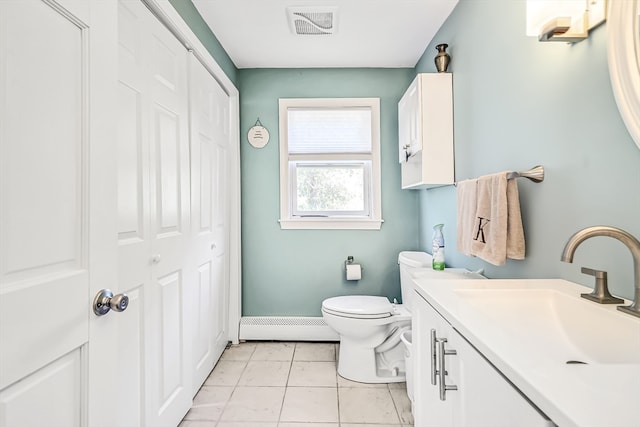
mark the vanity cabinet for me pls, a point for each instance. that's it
(425, 132)
(456, 386)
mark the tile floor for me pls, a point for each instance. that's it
(283, 384)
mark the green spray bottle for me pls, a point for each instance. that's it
(437, 253)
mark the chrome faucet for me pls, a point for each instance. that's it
(631, 242)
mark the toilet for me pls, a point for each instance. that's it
(370, 327)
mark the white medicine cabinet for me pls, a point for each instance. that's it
(425, 132)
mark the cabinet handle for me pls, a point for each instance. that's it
(443, 370)
(434, 371)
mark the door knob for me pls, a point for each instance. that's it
(106, 301)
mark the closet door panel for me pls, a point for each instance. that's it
(221, 233)
(134, 241)
(168, 382)
(208, 168)
(221, 239)
(202, 213)
(153, 215)
(203, 217)
(131, 172)
(169, 131)
(133, 134)
(168, 195)
(203, 325)
(171, 342)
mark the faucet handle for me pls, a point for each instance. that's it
(598, 274)
(600, 293)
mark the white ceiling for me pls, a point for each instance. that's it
(369, 33)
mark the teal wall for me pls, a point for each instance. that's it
(290, 272)
(519, 103)
(194, 20)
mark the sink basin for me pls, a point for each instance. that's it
(573, 329)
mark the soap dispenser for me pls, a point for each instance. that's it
(437, 253)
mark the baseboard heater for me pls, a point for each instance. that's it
(285, 328)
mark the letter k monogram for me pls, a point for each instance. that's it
(480, 232)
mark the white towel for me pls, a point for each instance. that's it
(515, 230)
(497, 229)
(466, 214)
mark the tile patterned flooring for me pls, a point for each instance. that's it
(285, 384)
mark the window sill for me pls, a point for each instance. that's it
(330, 224)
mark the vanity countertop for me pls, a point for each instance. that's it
(578, 361)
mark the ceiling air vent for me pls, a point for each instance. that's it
(312, 20)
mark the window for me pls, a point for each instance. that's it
(330, 163)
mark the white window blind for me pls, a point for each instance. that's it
(322, 131)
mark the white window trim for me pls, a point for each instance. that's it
(374, 222)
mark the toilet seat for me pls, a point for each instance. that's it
(359, 307)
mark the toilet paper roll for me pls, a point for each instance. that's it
(354, 272)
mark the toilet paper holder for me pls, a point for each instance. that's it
(350, 261)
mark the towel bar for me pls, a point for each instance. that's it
(535, 174)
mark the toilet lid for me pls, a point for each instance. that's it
(361, 306)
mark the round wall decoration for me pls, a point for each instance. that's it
(258, 135)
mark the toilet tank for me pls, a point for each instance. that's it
(408, 261)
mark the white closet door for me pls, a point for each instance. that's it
(210, 233)
(153, 206)
(221, 223)
(52, 257)
(167, 354)
(134, 230)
